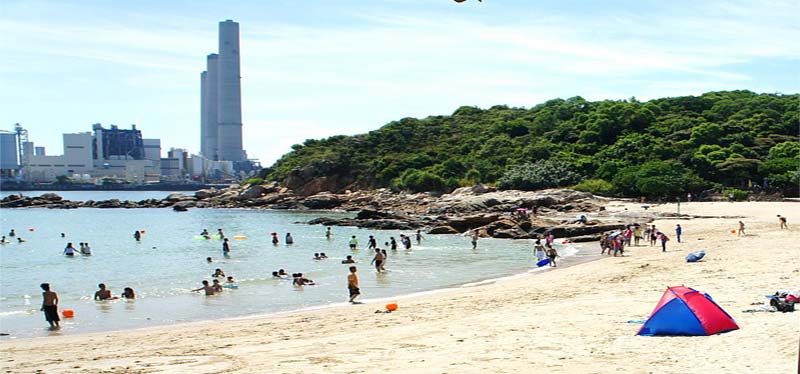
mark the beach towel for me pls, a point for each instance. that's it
(695, 256)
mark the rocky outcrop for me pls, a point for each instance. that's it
(321, 176)
(323, 200)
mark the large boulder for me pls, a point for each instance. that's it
(252, 192)
(443, 230)
(463, 224)
(322, 201)
(206, 193)
(177, 196)
(51, 197)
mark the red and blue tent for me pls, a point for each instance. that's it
(685, 311)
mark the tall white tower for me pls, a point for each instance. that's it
(209, 88)
(229, 94)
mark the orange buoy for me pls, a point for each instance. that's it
(142, 231)
(565, 242)
(68, 313)
(391, 307)
(733, 231)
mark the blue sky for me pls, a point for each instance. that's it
(312, 69)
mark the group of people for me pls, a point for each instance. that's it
(546, 250)
(85, 250)
(50, 301)
(11, 234)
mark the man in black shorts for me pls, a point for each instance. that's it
(352, 284)
(378, 259)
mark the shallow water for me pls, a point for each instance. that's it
(169, 262)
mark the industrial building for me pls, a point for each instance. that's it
(221, 102)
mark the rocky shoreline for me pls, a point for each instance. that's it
(498, 214)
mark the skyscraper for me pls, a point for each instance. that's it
(221, 99)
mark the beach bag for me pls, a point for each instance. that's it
(781, 306)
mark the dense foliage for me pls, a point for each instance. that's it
(661, 147)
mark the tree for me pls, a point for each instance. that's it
(539, 175)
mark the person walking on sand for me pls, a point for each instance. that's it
(50, 306)
(741, 229)
(782, 221)
(664, 240)
(678, 232)
(552, 254)
(352, 284)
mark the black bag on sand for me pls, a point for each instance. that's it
(781, 305)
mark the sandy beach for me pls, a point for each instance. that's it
(571, 320)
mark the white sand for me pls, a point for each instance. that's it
(571, 320)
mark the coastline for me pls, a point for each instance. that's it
(569, 320)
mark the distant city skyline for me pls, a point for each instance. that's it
(316, 69)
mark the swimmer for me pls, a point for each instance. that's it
(209, 260)
(353, 242)
(103, 293)
(378, 260)
(419, 237)
(275, 240)
(328, 233)
(231, 280)
(322, 255)
(128, 293)
(316, 256)
(86, 250)
(3, 240)
(372, 243)
(20, 240)
(300, 281)
(282, 273)
(63, 235)
(12, 233)
(137, 235)
(217, 286)
(221, 234)
(218, 273)
(393, 243)
(226, 247)
(69, 250)
(349, 260)
(289, 239)
(206, 287)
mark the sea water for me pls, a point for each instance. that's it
(170, 261)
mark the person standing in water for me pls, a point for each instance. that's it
(552, 254)
(474, 239)
(289, 238)
(353, 242)
(378, 260)
(352, 284)
(69, 250)
(86, 249)
(226, 247)
(419, 237)
(221, 234)
(275, 240)
(328, 233)
(50, 306)
(393, 243)
(385, 259)
(12, 233)
(372, 243)
(206, 287)
(137, 235)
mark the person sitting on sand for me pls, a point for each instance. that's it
(349, 260)
(103, 293)
(300, 281)
(782, 221)
(206, 287)
(128, 293)
(218, 273)
(217, 286)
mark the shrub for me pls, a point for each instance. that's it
(595, 186)
(420, 181)
(539, 175)
(253, 181)
(737, 194)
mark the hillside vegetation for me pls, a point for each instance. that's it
(661, 147)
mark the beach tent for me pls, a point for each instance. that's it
(685, 311)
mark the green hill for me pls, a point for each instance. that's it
(629, 148)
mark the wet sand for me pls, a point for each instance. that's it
(568, 320)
